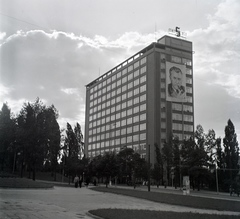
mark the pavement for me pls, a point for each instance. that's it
(74, 203)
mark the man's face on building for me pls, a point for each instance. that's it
(176, 78)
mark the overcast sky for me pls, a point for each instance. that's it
(52, 49)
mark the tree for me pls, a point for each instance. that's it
(231, 153)
(167, 154)
(125, 161)
(176, 162)
(53, 137)
(157, 172)
(8, 145)
(33, 131)
(79, 140)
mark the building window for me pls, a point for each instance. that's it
(143, 117)
(189, 90)
(129, 139)
(136, 82)
(136, 73)
(187, 108)
(143, 107)
(129, 121)
(136, 109)
(130, 76)
(129, 130)
(188, 128)
(124, 80)
(142, 136)
(142, 97)
(176, 59)
(143, 70)
(143, 88)
(176, 116)
(177, 126)
(129, 112)
(136, 119)
(143, 79)
(163, 115)
(136, 64)
(143, 60)
(177, 106)
(189, 99)
(136, 100)
(189, 71)
(163, 66)
(142, 126)
(163, 95)
(130, 68)
(136, 128)
(136, 91)
(130, 102)
(162, 56)
(188, 80)
(124, 71)
(136, 137)
(188, 118)
(130, 85)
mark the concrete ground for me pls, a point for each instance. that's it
(74, 203)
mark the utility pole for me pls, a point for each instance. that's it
(149, 167)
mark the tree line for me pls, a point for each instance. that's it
(32, 141)
(210, 162)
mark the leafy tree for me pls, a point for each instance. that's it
(167, 154)
(53, 138)
(176, 161)
(71, 151)
(210, 147)
(125, 161)
(34, 138)
(157, 172)
(231, 153)
(109, 166)
(8, 145)
(140, 168)
(79, 140)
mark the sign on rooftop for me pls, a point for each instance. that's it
(177, 32)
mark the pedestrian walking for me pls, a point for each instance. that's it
(76, 181)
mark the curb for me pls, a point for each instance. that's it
(93, 216)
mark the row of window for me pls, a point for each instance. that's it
(120, 74)
(180, 117)
(180, 127)
(102, 118)
(118, 141)
(115, 96)
(120, 85)
(177, 59)
(112, 130)
(125, 96)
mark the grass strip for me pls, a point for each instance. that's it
(177, 199)
(143, 214)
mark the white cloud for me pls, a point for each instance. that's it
(2, 35)
(57, 65)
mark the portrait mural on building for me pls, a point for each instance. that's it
(175, 82)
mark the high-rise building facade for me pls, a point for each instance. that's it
(147, 99)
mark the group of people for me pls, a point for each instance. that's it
(78, 181)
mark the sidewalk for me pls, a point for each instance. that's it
(74, 203)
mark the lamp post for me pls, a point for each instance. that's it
(216, 177)
(149, 167)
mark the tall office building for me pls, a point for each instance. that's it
(146, 99)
